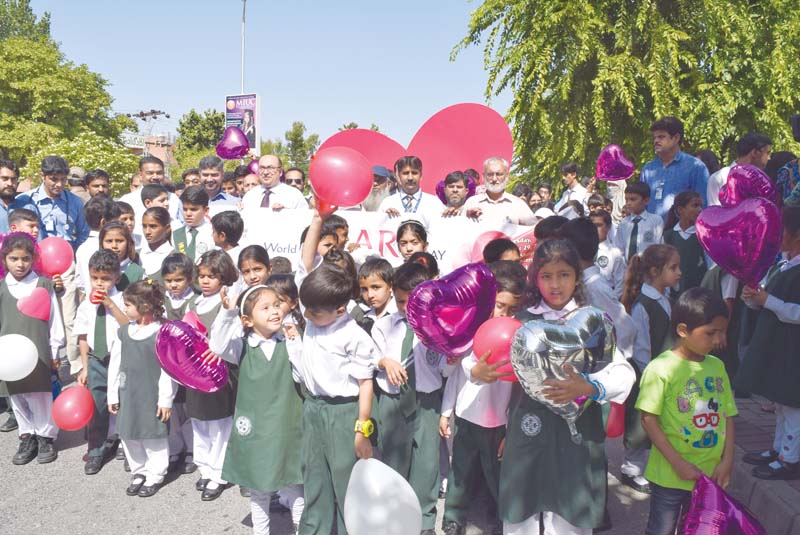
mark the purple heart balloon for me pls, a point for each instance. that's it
(253, 166)
(746, 182)
(179, 348)
(743, 239)
(445, 313)
(714, 512)
(233, 145)
(440, 189)
(612, 164)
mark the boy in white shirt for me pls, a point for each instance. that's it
(376, 278)
(226, 230)
(640, 229)
(609, 258)
(194, 238)
(97, 211)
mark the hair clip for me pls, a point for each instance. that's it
(149, 281)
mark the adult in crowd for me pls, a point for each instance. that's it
(212, 170)
(191, 177)
(9, 180)
(455, 191)
(381, 188)
(60, 214)
(136, 181)
(410, 202)
(239, 173)
(76, 184)
(709, 158)
(574, 190)
(524, 192)
(545, 191)
(672, 170)
(97, 182)
(272, 193)
(151, 171)
(752, 149)
(496, 204)
(296, 178)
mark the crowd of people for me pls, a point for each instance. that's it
(325, 369)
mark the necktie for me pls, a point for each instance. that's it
(100, 349)
(407, 200)
(408, 391)
(632, 246)
(192, 246)
(265, 200)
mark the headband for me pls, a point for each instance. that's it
(247, 293)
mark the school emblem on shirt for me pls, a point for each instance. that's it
(123, 379)
(531, 425)
(202, 248)
(243, 426)
(432, 357)
(602, 261)
(648, 235)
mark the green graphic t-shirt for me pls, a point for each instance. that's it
(692, 400)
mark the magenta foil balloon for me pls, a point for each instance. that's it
(612, 164)
(713, 512)
(233, 145)
(471, 187)
(253, 166)
(180, 348)
(445, 313)
(746, 182)
(743, 239)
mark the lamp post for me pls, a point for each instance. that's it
(244, 8)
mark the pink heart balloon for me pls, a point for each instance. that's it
(36, 305)
(612, 164)
(445, 313)
(746, 182)
(714, 512)
(233, 145)
(743, 239)
(179, 348)
(253, 166)
(193, 320)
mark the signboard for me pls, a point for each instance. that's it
(132, 140)
(242, 111)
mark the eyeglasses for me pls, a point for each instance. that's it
(294, 181)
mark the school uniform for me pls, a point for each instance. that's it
(599, 294)
(693, 258)
(334, 358)
(408, 415)
(420, 206)
(180, 427)
(139, 385)
(728, 287)
(152, 259)
(637, 232)
(100, 327)
(82, 256)
(130, 272)
(193, 241)
(539, 443)
(32, 397)
(612, 265)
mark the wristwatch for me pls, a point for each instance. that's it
(365, 428)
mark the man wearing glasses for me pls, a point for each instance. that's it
(496, 204)
(296, 178)
(273, 193)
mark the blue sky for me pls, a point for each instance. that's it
(325, 63)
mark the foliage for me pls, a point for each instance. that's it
(295, 149)
(351, 125)
(89, 151)
(200, 131)
(18, 20)
(587, 73)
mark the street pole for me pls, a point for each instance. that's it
(244, 7)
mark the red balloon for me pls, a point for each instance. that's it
(340, 176)
(324, 208)
(496, 336)
(73, 408)
(616, 420)
(56, 256)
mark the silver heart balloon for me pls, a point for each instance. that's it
(583, 339)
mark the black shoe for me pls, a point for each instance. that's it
(631, 482)
(188, 468)
(93, 465)
(787, 471)
(136, 484)
(453, 528)
(147, 491)
(209, 495)
(244, 491)
(200, 486)
(759, 457)
(28, 448)
(275, 505)
(9, 425)
(47, 450)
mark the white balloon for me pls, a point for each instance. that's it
(379, 500)
(18, 356)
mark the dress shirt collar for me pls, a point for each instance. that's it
(652, 293)
(544, 309)
(27, 279)
(791, 263)
(40, 195)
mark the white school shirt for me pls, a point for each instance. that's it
(134, 198)
(642, 352)
(335, 358)
(787, 312)
(508, 208)
(617, 377)
(391, 308)
(167, 388)
(177, 302)
(152, 260)
(389, 333)
(423, 207)
(86, 317)
(577, 193)
(23, 288)
(82, 256)
(280, 193)
(649, 232)
(204, 240)
(600, 295)
(483, 404)
(612, 265)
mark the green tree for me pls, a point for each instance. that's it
(350, 126)
(201, 130)
(299, 148)
(587, 73)
(17, 19)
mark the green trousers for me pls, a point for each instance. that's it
(97, 429)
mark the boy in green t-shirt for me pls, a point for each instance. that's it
(687, 410)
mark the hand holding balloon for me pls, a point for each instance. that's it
(564, 391)
(757, 296)
(209, 357)
(722, 473)
(487, 373)
(113, 409)
(58, 283)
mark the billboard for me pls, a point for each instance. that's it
(242, 111)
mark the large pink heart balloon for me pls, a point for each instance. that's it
(458, 137)
(233, 145)
(746, 182)
(743, 239)
(36, 305)
(179, 348)
(612, 164)
(446, 312)
(714, 512)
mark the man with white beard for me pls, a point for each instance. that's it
(496, 204)
(381, 188)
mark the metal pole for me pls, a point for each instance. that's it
(244, 7)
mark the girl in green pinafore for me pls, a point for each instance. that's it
(263, 452)
(548, 476)
(116, 237)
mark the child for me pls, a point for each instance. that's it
(128, 218)
(254, 265)
(410, 397)
(595, 202)
(31, 397)
(194, 238)
(280, 265)
(211, 414)
(641, 228)
(609, 259)
(687, 410)
(263, 453)
(326, 240)
(228, 227)
(24, 220)
(141, 393)
(116, 237)
(771, 365)
(97, 211)
(96, 324)
(229, 184)
(548, 227)
(336, 369)
(289, 299)
(411, 238)
(500, 249)
(649, 276)
(340, 227)
(155, 195)
(679, 232)
(427, 260)
(480, 413)
(157, 234)
(97, 183)
(375, 278)
(540, 442)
